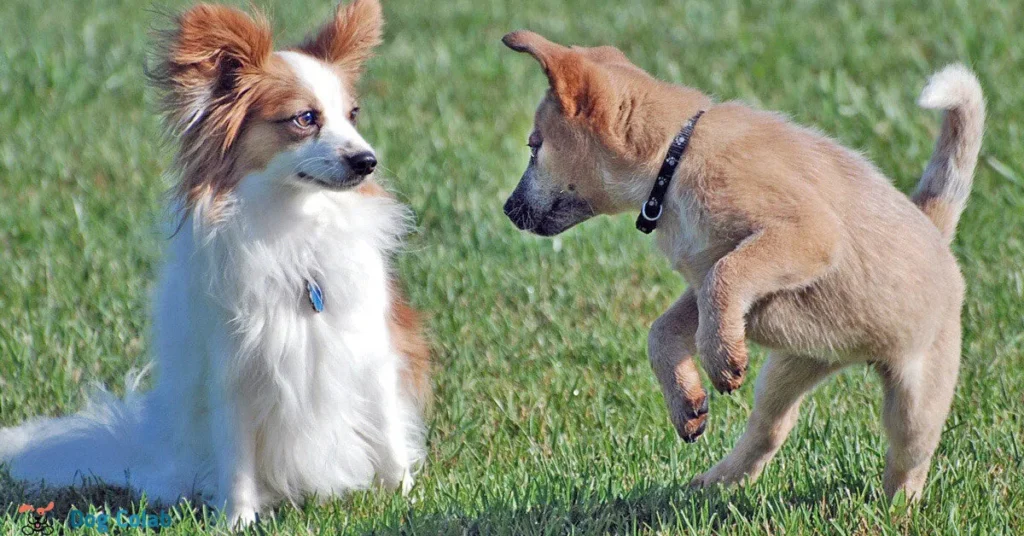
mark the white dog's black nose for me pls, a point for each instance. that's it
(362, 163)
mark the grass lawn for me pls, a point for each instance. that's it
(547, 418)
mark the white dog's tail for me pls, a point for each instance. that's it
(104, 441)
(942, 192)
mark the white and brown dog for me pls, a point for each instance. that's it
(288, 364)
(784, 236)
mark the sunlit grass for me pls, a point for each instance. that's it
(547, 418)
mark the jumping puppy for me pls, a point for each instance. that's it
(784, 237)
(288, 364)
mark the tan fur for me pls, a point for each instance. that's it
(785, 238)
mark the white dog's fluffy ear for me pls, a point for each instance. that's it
(211, 52)
(349, 40)
(209, 68)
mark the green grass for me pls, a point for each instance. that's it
(547, 418)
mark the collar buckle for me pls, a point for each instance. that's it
(651, 203)
(645, 222)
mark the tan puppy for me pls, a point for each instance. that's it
(784, 236)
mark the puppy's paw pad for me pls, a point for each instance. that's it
(727, 382)
(699, 431)
(688, 414)
(690, 430)
(704, 407)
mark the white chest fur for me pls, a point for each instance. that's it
(309, 400)
(682, 236)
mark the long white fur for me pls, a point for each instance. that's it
(258, 398)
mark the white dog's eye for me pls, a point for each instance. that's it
(353, 116)
(305, 119)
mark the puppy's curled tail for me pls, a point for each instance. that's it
(942, 192)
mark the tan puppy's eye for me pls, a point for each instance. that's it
(533, 151)
(534, 144)
(353, 116)
(305, 120)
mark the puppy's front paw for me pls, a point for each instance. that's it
(688, 416)
(725, 363)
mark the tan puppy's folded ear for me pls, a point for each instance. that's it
(348, 40)
(578, 84)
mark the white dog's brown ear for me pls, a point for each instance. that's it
(211, 51)
(577, 83)
(348, 40)
(208, 68)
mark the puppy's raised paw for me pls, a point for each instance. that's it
(689, 416)
(726, 364)
(729, 380)
(693, 429)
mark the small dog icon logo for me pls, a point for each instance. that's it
(38, 522)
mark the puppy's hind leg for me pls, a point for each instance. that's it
(781, 385)
(670, 348)
(918, 393)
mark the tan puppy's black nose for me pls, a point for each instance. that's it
(518, 212)
(362, 163)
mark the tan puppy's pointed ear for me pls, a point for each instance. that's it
(349, 39)
(577, 83)
(534, 44)
(606, 54)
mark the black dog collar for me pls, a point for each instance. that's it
(646, 223)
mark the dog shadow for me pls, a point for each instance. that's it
(650, 508)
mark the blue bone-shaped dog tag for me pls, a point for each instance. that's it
(316, 295)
